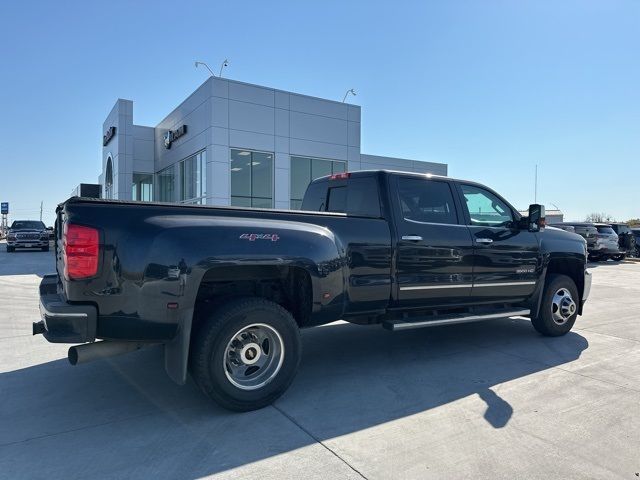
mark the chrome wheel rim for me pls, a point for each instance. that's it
(562, 306)
(253, 356)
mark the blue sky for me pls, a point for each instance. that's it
(489, 87)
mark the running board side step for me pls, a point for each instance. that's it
(394, 325)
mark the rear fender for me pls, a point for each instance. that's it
(187, 247)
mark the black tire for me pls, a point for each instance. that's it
(544, 323)
(595, 258)
(618, 258)
(213, 336)
(10, 249)
(45, 249)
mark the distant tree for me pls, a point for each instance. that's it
(634, 222)
(600, 217)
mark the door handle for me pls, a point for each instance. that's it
(412, 238)
(484, 241)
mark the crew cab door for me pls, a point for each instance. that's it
(506, 259)
(434, 249)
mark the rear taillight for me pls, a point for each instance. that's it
(81, 248)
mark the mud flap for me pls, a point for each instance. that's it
(176, 352)
(536, 297)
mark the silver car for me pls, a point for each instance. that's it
(606, 244)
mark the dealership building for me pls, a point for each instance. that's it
(234, 143)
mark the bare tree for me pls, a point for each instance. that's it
(600, 217)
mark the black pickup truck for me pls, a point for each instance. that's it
(226, 290)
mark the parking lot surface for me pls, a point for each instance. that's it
(487, 400)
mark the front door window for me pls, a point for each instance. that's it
(485, 208)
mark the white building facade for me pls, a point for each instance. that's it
(233, 143)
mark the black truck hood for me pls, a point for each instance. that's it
(558, 240)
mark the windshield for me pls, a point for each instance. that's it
(27, 225)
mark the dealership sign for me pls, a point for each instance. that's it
(172, 135)
(4, 208)
(109, 134)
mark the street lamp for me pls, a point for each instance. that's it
(207, 67)
(350, 91)
(224, 64)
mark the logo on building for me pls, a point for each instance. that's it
(109, 134)
(172, 135)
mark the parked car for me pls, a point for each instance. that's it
(608, 241)
(602, 241)
(566, 228)
(51, 233)
(586, 230)
(626, 238)
(226, 289)
(27, 234)
(636, 234)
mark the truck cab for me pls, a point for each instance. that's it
(453, 243)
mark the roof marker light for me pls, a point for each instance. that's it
(340, 176)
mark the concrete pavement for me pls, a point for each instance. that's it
(487, 400)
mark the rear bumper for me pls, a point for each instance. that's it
(605, 250)
(63, 322)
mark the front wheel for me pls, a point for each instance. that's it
(618, 258)
(10, 249)
(245, 354)
(559, 307)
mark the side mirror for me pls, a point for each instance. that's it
(536, 220)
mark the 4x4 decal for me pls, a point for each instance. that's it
(252, 237)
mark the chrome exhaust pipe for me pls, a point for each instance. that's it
(95, 351)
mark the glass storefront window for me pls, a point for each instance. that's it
(193, 178)
(304, 170)
(142, 187)
(251, 179)
(165, 184)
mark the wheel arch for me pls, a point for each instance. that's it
(290, 286)
(571, 266)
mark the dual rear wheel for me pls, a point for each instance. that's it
(245, 353)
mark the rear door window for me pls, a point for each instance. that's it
(606, 230)
(426, 201)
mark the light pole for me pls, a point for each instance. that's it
(206, 66)
(224, 64)
(350, 91)
(535, 186)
